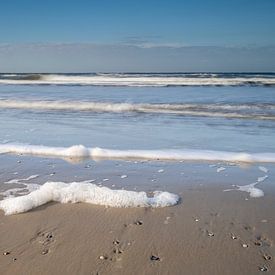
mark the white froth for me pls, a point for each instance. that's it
(85, 192)
(28, 187)
(79, 151)
(261, 179)
(263, 169)
(14, 181)
(251, 189)
(220, 169)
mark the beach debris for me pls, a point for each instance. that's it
(220, 169)
(123, 176)
(154, 258)
(233, 237)
(103, 257)
(263, 268)
(138, 222)
(6, 253)
(160, 171)
(244, 245)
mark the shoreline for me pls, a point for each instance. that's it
(209, 232)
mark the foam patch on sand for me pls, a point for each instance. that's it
(251, 189)
(85, 192)
(80, 151)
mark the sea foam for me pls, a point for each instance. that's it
(80, 151)
(85, 192)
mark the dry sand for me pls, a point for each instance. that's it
(208, 232)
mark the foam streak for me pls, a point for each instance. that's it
(80, 151)
(85, 192)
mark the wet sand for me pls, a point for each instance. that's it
(209, 232)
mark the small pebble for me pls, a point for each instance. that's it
(196, 219)
(14, 259)
(6, 253)
(233, 237)
(154, 258)
(245, 245)
(116, 242)
(117, 251)
(102, 257)
(160, 171)
(45, 251)
(258, 243)
(210, 234)
(19, 161)
(263, 268)
(105, 179)
(138, 222)
(123, 176)
(267, 257)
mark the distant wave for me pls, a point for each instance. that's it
(241, 111)
(140, 80)
(80, 151)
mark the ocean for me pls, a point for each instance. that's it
(220, 118)
(222, 112)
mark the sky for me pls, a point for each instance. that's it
(152, 35)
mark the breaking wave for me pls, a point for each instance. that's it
(245, 111)
(141, 80)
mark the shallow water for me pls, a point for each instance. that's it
(206, 117)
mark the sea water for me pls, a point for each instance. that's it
(228, 117)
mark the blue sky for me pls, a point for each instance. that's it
(173, 25)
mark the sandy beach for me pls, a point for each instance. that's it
(208, 232)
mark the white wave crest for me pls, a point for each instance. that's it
(210, 110)
(80, 151)
(138, 80)
(85, 192)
